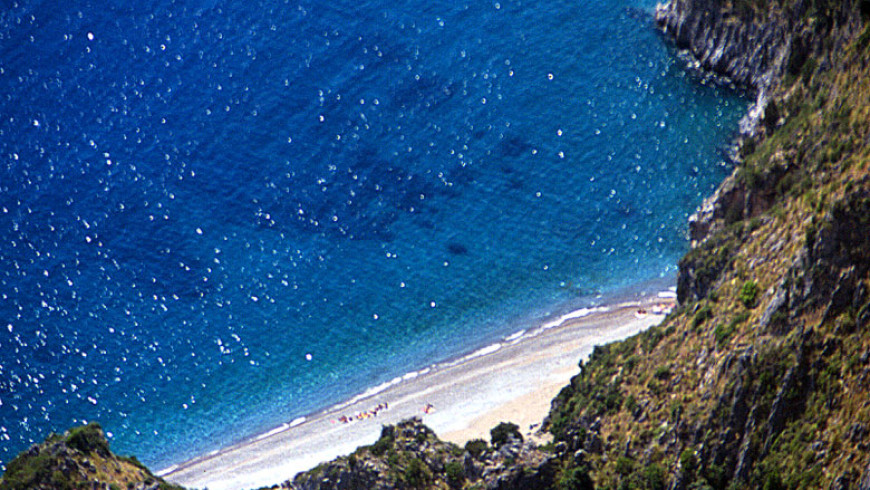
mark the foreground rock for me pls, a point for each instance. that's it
(409, 455)
(78, 459)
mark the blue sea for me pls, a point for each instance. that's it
(219, 216)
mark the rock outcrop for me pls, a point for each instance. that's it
(78, 459)
(756, 44)
(409, 455)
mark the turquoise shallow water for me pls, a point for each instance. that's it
(216, 217)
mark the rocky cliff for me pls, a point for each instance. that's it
(760, 379)
(757, 43)
(78, 459)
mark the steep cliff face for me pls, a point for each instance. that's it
(761, 379)
(757, 43)
(786, 51)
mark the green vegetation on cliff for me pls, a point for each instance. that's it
(761, 379)
(78, 459)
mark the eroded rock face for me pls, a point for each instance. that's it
(757, 49)
(754, 48)
(752, 54)
(835, 259)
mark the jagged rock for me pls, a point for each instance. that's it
(835, 257)
(726, 201)
(679, 482)
(774, 306)
(844, 481)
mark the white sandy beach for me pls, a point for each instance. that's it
(511, 381)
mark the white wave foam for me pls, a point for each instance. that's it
(572, 315)
(483, 352)
(372, 391)
(297, 421)
(276, 430)
(166, 471)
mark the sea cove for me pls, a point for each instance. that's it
(218, 218)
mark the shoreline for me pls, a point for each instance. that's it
(513, 379)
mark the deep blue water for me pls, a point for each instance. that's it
(195, 196)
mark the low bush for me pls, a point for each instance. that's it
(476, 447)
(748, 294)
(504, 432)
(575, 479)
(88, 438)
(455, 474)
(415, 474)
(703, 314)
(385, 442)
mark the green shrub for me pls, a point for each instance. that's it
(655, 477)
(688, 461)
(631, 362)
(723, 333)
(455, 474)
(703, 314)
(748, 293)
(652, 337)
(26, 471)
(385, 442)
(808, 70)
(662, 373)
(393, 459)
(421, 437)
(134, 461)
(624, 466)
(476, 447)
(612, 400)
(415, 473)
(575, 479)
(504, 432)
(772, 481)
(88, 438)
(630, 403)
(713, 295)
